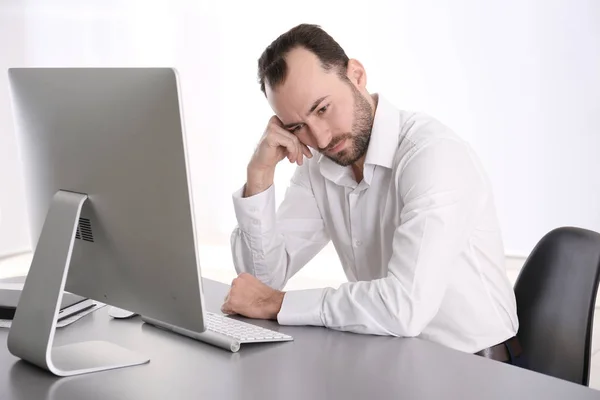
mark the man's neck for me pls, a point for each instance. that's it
(358, 168)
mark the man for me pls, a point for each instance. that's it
(405, 201)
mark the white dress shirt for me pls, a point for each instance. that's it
(418, 239)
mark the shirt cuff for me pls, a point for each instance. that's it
(302, 307)
(255, 214)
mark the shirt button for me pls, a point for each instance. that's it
(255, 221)
(357, 243)
(253, 209)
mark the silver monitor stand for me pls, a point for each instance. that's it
(32, 331)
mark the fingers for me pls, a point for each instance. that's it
(281, 137)
(296, 150)
(276, 121)
(278, 143)
(299, 155)
(276, 130)
(306, 151)
(227, 307)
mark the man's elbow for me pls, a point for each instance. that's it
(411, 323)
(395, 327)
(412, 329)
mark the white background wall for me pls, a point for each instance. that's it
(519, 79)
(13, 228)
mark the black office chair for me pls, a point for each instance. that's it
(556, 294)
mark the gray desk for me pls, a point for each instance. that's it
(319, 364)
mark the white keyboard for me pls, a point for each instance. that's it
(225, 332)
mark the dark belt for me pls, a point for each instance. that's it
(500, 351)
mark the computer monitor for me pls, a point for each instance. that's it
(110, 208)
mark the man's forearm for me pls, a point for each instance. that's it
(258, 181)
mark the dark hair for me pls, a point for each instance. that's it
(272, 68)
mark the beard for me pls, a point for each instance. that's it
(359, 137)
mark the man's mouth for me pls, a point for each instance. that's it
(336, 148)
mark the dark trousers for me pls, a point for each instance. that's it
(519, 361)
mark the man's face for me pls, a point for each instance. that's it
(324, 111)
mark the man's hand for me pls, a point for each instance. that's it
(275, 145)
(253, 299)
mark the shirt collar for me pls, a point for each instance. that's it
(382, 145)
(384, 135)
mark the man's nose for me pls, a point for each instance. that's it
(321, 135)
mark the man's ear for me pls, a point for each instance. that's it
(356, 73)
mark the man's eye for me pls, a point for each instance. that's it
(323, 109)
(296, 128)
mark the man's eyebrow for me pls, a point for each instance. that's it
(315, 104)
(312, 108)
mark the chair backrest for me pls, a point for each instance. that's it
(556, 294)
